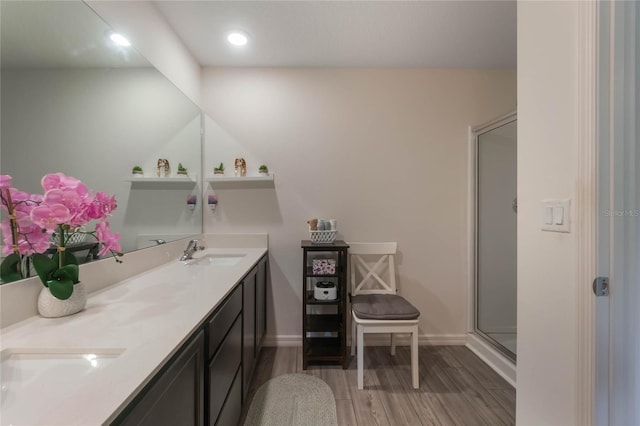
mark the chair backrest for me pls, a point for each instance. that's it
(372, 268)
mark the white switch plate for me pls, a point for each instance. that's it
(558, 215)
(560, 212)
(547, 215)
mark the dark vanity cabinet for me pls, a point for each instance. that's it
(249, 329)
(261, 303)
(224, 358)
(176, 395)
(206, 382)
(255, 321)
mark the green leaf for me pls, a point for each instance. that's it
(44, 267)
(72, 271)
(62, 286)
(10, 268)
(69, 259)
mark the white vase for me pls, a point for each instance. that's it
(51, 307)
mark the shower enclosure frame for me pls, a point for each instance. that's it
(493, 353)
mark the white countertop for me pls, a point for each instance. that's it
(137, 325)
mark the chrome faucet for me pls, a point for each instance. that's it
(192, 247)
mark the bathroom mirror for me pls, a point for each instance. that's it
(75, 102)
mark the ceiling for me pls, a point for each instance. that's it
(392, 33)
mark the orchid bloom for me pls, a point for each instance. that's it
(49, 216)
(107, 238)
(62, 181)
(29, 237)
(102, 206)
(66, 205)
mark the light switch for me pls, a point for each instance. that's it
(558, 215)
(547, 215)
(555, 215)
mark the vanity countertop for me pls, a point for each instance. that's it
(104, 355)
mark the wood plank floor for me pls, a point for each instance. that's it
(456, 387)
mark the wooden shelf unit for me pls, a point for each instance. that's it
(324, 322)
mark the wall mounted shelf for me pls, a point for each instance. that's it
(268, 178)
(155, 179)
(241, 182)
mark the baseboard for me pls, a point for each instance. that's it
(423, 339)
(493, 358)
(283, 341)
(377, 340)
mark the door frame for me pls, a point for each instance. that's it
(601, 109)
(586, 209)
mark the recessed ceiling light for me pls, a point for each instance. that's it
(237, 38)
(119, 39)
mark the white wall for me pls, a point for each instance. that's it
(382, 151)
(96, 124)
(150, 34)
(547, 140)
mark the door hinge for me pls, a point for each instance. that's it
(601, 286)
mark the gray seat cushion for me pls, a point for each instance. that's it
(383, 307)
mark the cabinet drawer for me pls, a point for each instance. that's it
(176, 396)
(223, 368)
(223, 319)
(230, 414)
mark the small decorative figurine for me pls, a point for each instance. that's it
(219, 170)
(240, 167)
(137, 170)
(181, 169)
(263, 170)
(163, 167)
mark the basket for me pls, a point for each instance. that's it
(77, 237)
(323, 237)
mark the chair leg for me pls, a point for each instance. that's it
(414, 358)
(393, 344)
(360, 357)
(353, 337)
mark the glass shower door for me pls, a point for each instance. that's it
(496, 213)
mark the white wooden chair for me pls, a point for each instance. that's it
(375, 306)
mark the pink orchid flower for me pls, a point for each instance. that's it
(48, 216)
(72, 200)
(34, 240)
(107, 238)
(102, 206)
(62, 181)
(69, 198)
(31, 238)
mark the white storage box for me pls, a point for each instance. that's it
(324, 266)
(325, 290)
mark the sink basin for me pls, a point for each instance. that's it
(51, 371)
(217, 259)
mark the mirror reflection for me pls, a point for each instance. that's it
(75, 102)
